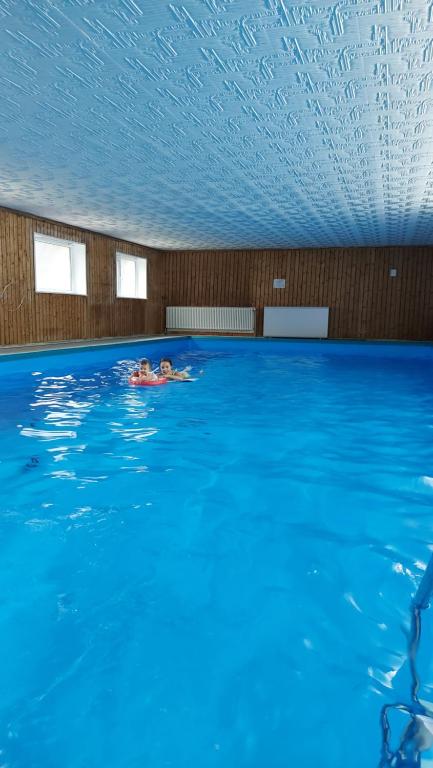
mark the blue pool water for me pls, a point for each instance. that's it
(216, 573)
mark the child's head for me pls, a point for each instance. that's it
(144, 365)
(165, 366)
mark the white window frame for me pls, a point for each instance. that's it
(139, 262)
(77, 263)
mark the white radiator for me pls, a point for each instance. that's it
(296, 322)
(240, 319)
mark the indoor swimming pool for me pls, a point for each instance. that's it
(217, 572)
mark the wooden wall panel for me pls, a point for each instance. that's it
(364, 301)
(26, 316)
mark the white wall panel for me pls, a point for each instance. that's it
(296, 322)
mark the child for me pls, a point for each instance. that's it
(168, 372)
(145, 372)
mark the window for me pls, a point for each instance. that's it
(60, 266)
(131, 276)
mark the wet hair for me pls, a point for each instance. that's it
(166, 360)
(144, 361)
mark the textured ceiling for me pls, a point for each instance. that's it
(221, 123)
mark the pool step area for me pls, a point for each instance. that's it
(77, 343)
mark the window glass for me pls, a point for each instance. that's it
(142, 278)
(60, 266)
(131, 276)
(127, 277)
(53, 267)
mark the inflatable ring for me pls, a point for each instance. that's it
(135, 380)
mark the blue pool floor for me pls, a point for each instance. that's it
(212, 573)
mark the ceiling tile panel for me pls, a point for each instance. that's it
(221, 123)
